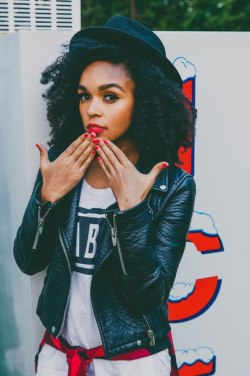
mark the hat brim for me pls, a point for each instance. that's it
(108, 34)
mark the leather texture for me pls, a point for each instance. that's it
(152, 238)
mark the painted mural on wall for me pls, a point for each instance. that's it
(189, 300)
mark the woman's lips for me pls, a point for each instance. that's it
(95, 128)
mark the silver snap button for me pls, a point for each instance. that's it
(53, 329)
(138, 343)
(163, 186)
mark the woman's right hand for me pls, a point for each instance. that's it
(62, 175)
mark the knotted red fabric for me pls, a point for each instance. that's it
(79, 358)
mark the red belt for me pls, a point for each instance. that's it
(79, 358)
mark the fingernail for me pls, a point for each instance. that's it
(98, 158)
(96, 147)
(105, 142)
(92, 135)
(85, 135)
(93, 151)
(96, 141)
(165, 164)
(38, 147)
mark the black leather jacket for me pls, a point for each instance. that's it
(134, 270)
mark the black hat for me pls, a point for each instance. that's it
(134, 35)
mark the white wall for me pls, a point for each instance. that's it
(222, 62)
(23, 124)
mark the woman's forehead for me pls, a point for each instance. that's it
(103, 72)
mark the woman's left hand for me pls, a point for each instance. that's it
(129, 186)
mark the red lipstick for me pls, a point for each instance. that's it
(96, 128)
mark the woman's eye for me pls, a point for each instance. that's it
(83, 97)
(110, 97)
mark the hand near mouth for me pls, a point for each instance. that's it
(62, 175)
(129, 186)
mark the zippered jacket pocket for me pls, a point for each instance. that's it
(29, 256)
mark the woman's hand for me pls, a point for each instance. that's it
(61, 175)
(129, 186)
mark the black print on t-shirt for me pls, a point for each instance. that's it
(89, 222)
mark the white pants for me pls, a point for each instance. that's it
(52, 362)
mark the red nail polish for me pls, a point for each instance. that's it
(93, 151)
(38, 147)
(165, 164)
(96, 141)
(96, 147)
(92, 135)
(98, 158)
(85, 135)
(105, 142)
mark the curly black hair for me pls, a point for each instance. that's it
(163, 118)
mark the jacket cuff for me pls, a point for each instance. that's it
(37, 196)
(136, 216)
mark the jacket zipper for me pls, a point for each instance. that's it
(150, 333)
(116, 243)
(70, 272)
(40, 226)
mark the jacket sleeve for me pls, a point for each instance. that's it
(32, 245)
(150, 249)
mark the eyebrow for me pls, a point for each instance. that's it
(103, 87)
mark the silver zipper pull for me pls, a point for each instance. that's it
(150, 333)
(114, 237)
(39, 226)
(38, 233)
(35, 241)
(115, 242)
(151, 337)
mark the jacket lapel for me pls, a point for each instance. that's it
(69, 215)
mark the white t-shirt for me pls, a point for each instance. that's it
(80, 327)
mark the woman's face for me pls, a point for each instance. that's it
(106, 104)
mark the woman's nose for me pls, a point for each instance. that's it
(94, 108)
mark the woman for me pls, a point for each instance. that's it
(110, 210)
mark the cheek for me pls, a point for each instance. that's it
(125, 114)
(82, 112)
(80, 109)
(129, 113)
